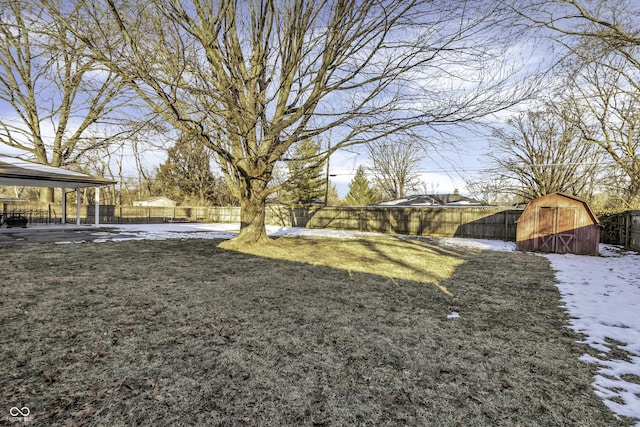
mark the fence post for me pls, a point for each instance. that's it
(506, 225)
(627, 229)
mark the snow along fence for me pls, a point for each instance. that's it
(460, 221)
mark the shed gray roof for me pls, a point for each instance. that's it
(15, 171)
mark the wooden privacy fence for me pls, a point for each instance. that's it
(276, 215)
(51, 213)
(493, 223)
(632, 236)
(480, 222)
(623, 229)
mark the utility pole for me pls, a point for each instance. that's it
(326, 186)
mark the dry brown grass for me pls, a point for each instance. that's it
(394, 258)
(353, 332)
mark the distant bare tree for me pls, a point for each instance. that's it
(493, 189)
(58, 102)
(543, 152)
(611, 121)
(395, 166)
(100, 162)
(601, 39)
(251, 79)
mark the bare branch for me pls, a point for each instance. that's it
(252, 79)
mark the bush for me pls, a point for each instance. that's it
(612, 222)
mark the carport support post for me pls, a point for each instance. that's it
(63, 214)
(97, 212)
(77, 205)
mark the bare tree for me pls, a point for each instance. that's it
(251, 79)
(611, 121)
(492, 188)
(395, 166)
(601, 39)
(543, 152)
(100, 162)
(60, 103)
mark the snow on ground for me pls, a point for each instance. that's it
(601, 294)
(209, 231)
(493, 245)
(169, 231)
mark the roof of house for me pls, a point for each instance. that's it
(15, 171)
(433, 200)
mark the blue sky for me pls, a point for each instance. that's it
(444, 169)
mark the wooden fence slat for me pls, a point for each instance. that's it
(633, 226)
(479, 222)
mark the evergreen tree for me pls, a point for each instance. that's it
(360, 192)
(306, 183)
(333, 198)
(186, 175)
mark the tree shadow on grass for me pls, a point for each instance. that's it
(184, 333)
(390, 256)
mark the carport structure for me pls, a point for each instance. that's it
(17, 172)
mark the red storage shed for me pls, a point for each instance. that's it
(558, 223)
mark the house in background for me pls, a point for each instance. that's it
(9, 199)
(160, 201)
(431, 200)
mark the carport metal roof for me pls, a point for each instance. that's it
(15, 171)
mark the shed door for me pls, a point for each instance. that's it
(556, 230)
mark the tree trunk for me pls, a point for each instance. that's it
(46, 195)
(253, 204)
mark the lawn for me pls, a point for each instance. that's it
(306, 332)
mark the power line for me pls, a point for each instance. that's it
(351, 172)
